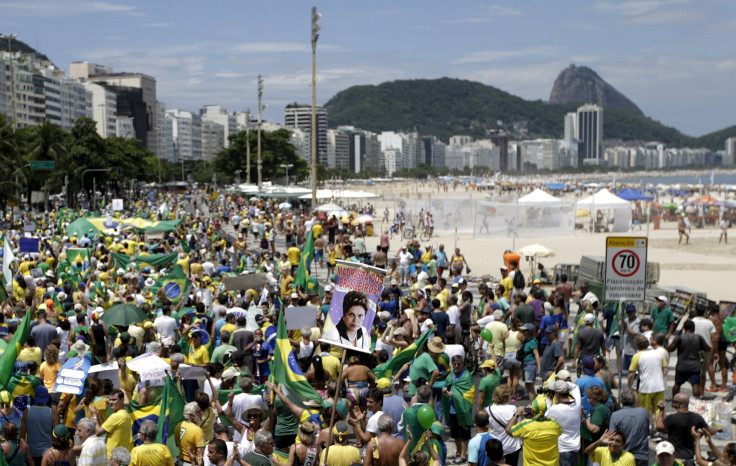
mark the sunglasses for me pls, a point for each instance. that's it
(251, 415)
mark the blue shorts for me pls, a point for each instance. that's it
(686, 376)
(530, 372)
(318, 254)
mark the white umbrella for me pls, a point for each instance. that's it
(337, 213)
(147, 362)
(328, 207)
(536, 250)
(285, 206)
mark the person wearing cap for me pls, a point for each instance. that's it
(614, 453)
(633, 422)
(62, 443)
(590, 341)
(588, 380)
(150, 453)
(664, 321)
(118, 427)
(553, 358)
(540, 434)
(488, 384)
(630, 326)
(566, 412)
(340, 453)
(251, 421)
(665, 454)
(531, 362)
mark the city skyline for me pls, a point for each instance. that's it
(673, 58)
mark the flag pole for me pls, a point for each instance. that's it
(334, 407)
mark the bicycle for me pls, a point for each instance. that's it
(425, 236)
(408, 232)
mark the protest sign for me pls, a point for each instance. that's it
(117, 205)
(28, 245)
(107, 371)
(72, 375)
(244, 282)
(353, 306)
(300, 316)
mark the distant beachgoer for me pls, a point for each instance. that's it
(682, 231)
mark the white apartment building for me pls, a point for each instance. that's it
(218, 114)
(213, 137)
(476, 154)
(104, 107)
(729, 159)
(300, 116)
(181, 134)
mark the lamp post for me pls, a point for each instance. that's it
(237, 176)
(287, 167)
(247, 148)
(316, 26)
(260, 107)
(10, 37)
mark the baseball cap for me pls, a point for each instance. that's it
(529, 328)
(662, 298)
(503, 267)
(229, 373)
(328, 288)
(383, 382)
(294, 296)
(41, 395)
(560, 386)
(550, 329)
(630, 308)
(588, 365)
(589, 318)
(489, 363)
(564, 374)
(437, 428)
(665, 447)
(394, 282)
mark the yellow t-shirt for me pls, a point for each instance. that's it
(31, 354)
(542, 448)
(317, 230)
(508, 285)
(198, 355)
(151, 454)
(293, 254)
(602, 455)
(127, 382)
(188, 436)
(48, 374)
(341, 455)
(119, 428)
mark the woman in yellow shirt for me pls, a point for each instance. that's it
(50, 367)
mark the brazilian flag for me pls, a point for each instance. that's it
(302, 272)
(122, 261)
(167, 412)
(175, 284)
(388, 368)
(79, 261)
(463, 397)
(7, 361)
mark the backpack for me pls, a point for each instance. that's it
(482, 457)
(519, 281)
(521, 353)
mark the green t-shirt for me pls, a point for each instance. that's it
(662, 320)
(600, 415)
(529, 347)
(287, 423)
(423, 366)
(219, 353)
(488, 384)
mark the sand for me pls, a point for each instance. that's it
(702, 265)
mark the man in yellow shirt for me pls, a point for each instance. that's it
(539, 434)
(189, 435)
(198, 353)
(150, 453)
(293, 254)
(118, 427)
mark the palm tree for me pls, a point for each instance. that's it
(12, 145)
(49, 142)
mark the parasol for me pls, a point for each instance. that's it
(123, 314)
(362, 219)
(330, 206)
(536, 250)
(285, 206)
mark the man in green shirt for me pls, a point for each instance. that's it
(425, 365)
(664, 321)
(219, 353)
(488, 383)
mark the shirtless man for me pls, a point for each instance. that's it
(379, 258)
(319, 250)
(720, 345)
(682, 230)
(383, 449)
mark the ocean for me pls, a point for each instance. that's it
(700, 178)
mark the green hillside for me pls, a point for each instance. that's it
(20, 46)
(445, 107)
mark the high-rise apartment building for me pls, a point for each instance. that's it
(213, 137)
(730, 157)
(300, 116)
(500, 139)
(104, 108)
(590, 134)
(571, 126)
(218, 114)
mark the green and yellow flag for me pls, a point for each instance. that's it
(302, 272)
(79, 262)
(175, 285)
(463, 397)
(7, 360)
(122, 261)
(286, 371)
(388, 368)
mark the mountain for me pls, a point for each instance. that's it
(20, 46)
(580, 84)
(445, 107)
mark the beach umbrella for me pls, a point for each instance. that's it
(123, 314)
(329, 207)
(729, 329)
(254, 199)
(345, 218)
(337, 213)
(285, 206)
(363, 219)
(536, 250)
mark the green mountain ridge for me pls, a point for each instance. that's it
(447, 106)
(20, 46)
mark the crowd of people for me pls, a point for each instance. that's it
(543, 393)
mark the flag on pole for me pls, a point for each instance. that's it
(388, 368)
(302, 272)
(286, 370)
(175, 285)
(79, 260)
(7, 360)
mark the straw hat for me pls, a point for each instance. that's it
(435, 345)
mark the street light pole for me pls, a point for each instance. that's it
(260, 94)
(247, 148)
(315, 36)
(12, 77)
(287, 167)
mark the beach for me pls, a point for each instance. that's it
(703, 265)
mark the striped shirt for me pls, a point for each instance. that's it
(94, 452)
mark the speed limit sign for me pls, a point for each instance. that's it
(626, 269)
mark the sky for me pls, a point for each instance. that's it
(676, 59)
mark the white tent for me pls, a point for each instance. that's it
(605, 200)
(340, 194)
(539, 197)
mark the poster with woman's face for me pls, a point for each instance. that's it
(353, 305)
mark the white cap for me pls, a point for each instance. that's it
(328, 288)
(665, 447)
(662, 298)
(589, 318)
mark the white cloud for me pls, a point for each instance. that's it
(493, 55)
(157, 25)
(635, 7)
(502, 11)
(271, 47)
(667, 17)
(58, 8)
